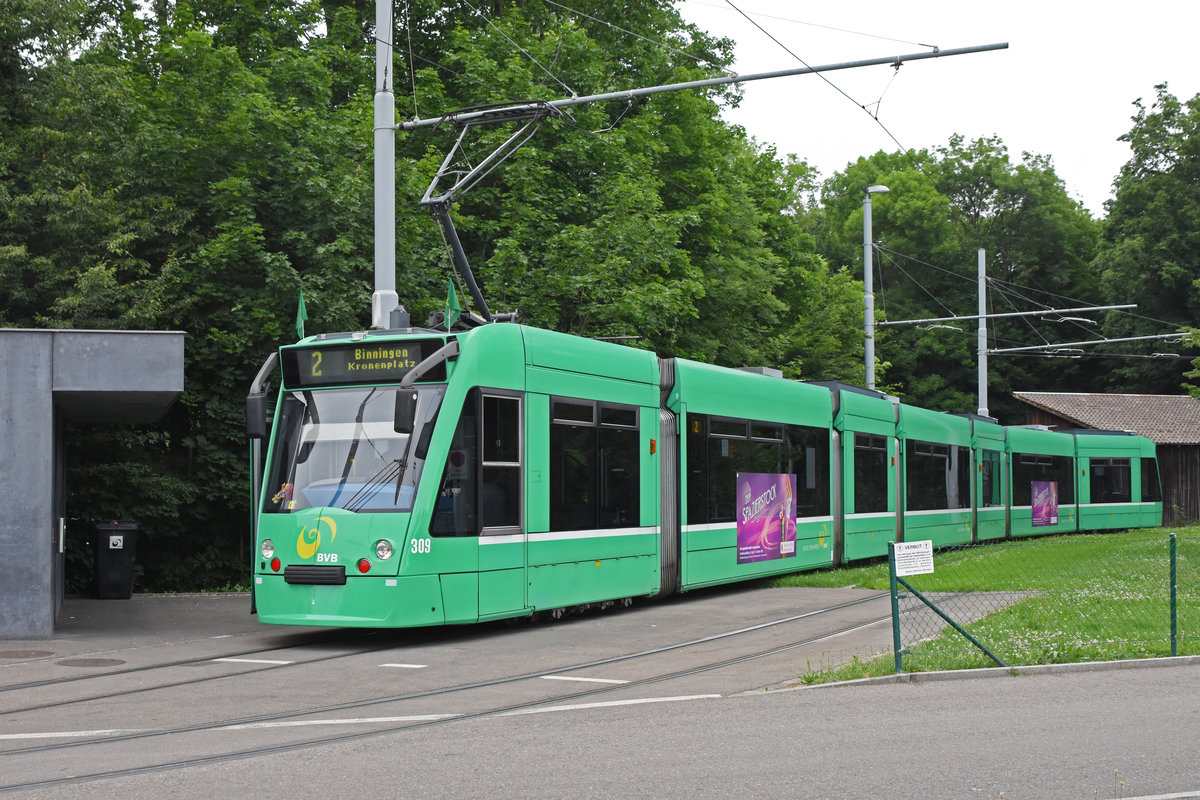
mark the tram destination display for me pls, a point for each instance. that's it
(357, 363)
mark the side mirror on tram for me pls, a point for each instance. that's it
(256, 416)
(406, 410)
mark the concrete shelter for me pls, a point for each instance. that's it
(47, 379)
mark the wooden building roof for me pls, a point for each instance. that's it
(1162, 418)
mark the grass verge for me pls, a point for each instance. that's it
(1060, 599)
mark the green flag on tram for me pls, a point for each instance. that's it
(453, 309)
(301, 316)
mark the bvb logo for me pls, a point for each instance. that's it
(310, 538)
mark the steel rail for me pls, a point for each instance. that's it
(255, 752)
(487, 683)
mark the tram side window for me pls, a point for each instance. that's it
(1111, 480)
(697, 468)
(989, 470)
(619, 467)
(728, 449)
(500, 486)
(1030, 467)
(870, 473)
(937, 476)
(1151, 488)
(595, 469)
(481, 481)
(291, 419)
(455, 512)
(719, 448)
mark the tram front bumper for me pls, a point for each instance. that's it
(363, 602)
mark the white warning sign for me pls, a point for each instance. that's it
(914, 558)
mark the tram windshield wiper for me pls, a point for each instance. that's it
(395, 469)
(392, 469)
(353, 451)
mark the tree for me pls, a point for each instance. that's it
(192, 192)
(1151, 247)
(942, 207)
(192, 164)
(650, 218)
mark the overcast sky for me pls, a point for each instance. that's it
(1064, 88)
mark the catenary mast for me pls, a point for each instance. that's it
(385, 299)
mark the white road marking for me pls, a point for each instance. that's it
(585, 680)
(414, 718)
(70, 734)
(300, 723)
(406, 666)
(610, 704)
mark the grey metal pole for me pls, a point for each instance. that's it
(897, 650)
(869, 286)
(385, 298)
(1174, 602)
(982, 360)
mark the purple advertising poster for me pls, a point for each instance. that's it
(1045, 503)
(766, 516)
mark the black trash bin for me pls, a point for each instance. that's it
(116, 546)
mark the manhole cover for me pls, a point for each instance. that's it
(90, 662)
(25, 653)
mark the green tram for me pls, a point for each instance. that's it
(419, 477)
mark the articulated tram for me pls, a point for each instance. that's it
(419, 477)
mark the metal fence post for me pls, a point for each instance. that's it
(1174, 603)
(895, 607)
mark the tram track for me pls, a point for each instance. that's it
(529, 706)
(190, 662)
(446, 690)
(319, 638)
(190, 681)
(326, 639)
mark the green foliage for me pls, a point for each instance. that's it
(1151, 249)
(943, 206)
(192, 165)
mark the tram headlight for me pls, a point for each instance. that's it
(268, 549)
(383, 549)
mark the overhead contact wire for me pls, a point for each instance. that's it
(411, 67)
(524, 52)
(648, 40)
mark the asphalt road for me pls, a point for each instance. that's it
(134, 699)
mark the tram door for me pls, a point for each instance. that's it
(501, 533)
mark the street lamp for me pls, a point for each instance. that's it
(868, 284)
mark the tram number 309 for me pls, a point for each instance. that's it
(422, 545)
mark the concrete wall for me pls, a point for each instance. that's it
(26, 485)
(47, 377)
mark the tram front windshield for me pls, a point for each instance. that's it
(340, 448)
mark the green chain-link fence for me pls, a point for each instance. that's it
(1083, 597)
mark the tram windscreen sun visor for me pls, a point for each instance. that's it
(406, 411)
(358, 363)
